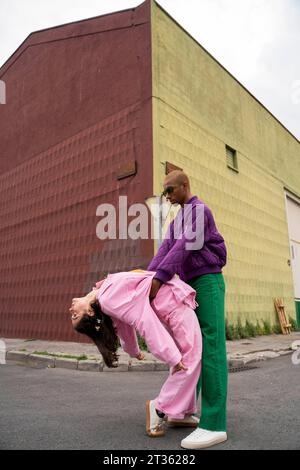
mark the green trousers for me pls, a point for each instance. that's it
(210, 297)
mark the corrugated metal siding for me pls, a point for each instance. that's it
(199, 108)
(67, 131)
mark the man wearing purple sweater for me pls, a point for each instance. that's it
(198, 256)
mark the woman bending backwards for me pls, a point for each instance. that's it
(119, 306)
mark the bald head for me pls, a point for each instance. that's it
(177, 187)
(177, 177)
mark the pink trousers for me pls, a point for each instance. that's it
(177, 396)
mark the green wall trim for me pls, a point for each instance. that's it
(297, 302)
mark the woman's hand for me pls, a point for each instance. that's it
(141, 356)
(178, 367)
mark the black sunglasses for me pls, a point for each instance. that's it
(168, 190)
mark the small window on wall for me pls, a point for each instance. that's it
(127, 169)
(231, 158)
(171, 167)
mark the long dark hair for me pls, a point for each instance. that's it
(99, 328)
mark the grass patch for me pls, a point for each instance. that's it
(83, 357)
(277, 329)
(259, 329)
(294, 325)
(251, 330)
(142, 344)
(267, 327)
(241, 330)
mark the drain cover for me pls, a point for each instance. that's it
(241, 368)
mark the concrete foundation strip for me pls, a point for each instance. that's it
(238, 360)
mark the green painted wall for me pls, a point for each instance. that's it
(198, 108)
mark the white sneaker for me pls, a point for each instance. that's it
(154, 424)
(189, 421)
(202, 438)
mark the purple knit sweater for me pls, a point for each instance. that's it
(173, 257)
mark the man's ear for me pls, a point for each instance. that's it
(91, 313)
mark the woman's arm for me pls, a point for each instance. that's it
(128, 339)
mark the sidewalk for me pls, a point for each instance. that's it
(82, 356)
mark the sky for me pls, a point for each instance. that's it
(257, 41)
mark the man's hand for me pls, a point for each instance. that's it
(178, 367)
(154, 288)
(141, 356)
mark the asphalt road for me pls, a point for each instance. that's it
(64, 409)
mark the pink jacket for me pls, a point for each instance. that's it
(125, 298)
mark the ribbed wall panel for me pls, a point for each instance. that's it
(68, 131)
(198, 109)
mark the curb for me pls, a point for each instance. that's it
(243, 359)
(89, 365)
(238, 360)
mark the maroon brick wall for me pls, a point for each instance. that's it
(78, 112)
